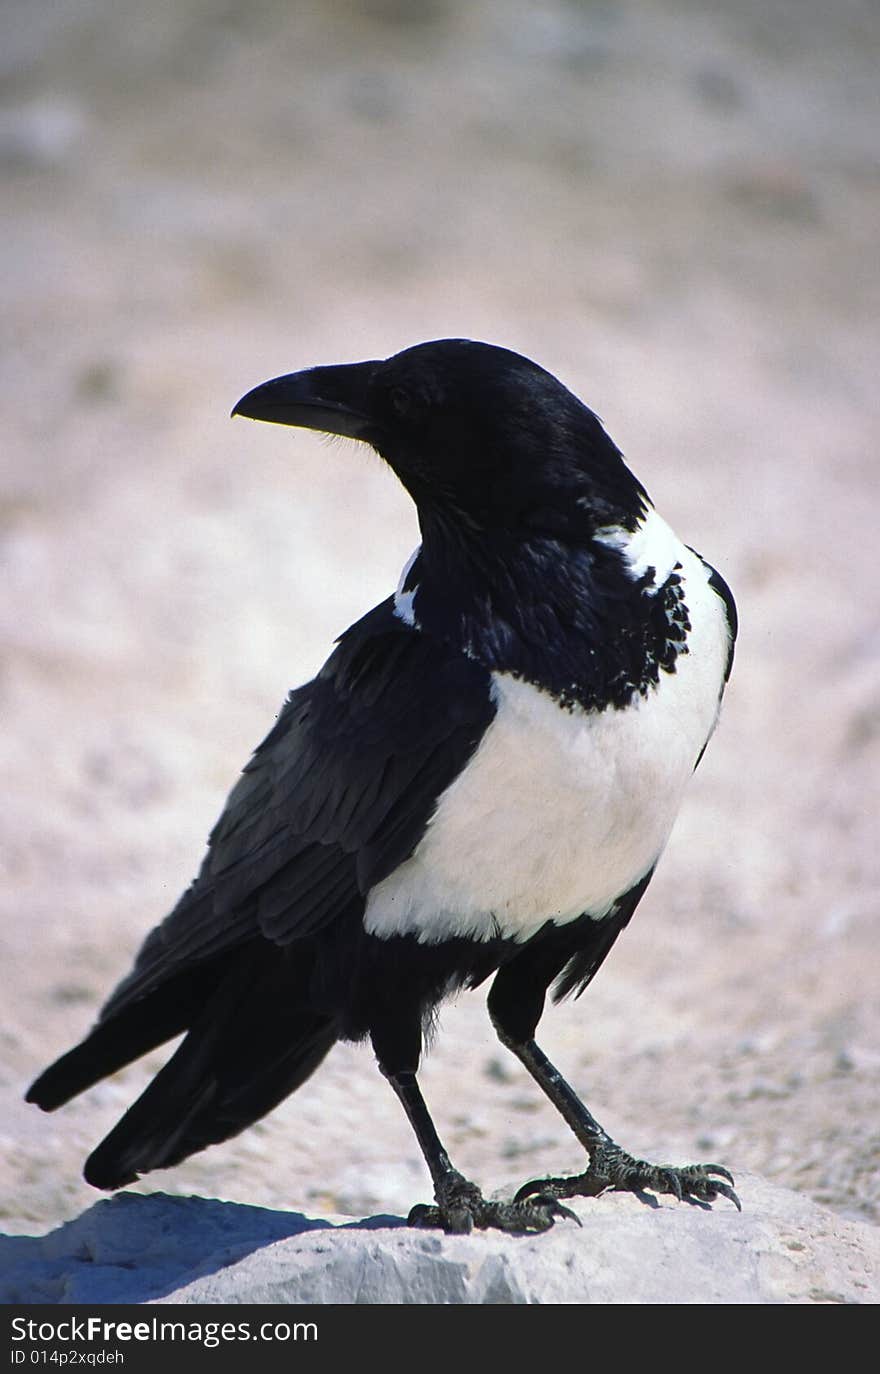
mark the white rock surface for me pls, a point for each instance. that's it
(131, 1248)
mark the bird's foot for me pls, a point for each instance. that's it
(612, 1168)
(460, 1208)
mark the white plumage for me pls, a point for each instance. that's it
(561, 811)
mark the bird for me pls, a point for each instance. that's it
(478, 784)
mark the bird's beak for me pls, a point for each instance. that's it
(330, 399)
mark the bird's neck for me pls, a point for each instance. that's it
(591, 621)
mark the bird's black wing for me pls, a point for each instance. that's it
(334, 799)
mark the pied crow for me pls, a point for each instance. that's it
(480, 780)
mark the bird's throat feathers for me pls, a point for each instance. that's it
(592, 621)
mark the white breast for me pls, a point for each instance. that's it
(560, 812)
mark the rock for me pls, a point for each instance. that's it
(139, 1249)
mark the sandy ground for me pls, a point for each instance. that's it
(672, 205)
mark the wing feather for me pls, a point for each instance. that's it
(337, 795)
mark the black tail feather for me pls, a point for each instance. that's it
(164, 1013)
(253, 1044)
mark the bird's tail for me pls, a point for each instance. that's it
(253, 1041)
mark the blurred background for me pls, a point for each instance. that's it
(672, 204)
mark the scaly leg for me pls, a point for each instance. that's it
(460, 1206)
(516, 1002)
(396, 1033)
(610, 1166)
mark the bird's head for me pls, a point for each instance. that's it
(481, 437)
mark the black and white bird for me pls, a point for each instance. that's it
(480, 780)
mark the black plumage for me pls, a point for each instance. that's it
(331, 903)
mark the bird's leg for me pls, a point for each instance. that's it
(610, 1166)
(459, 1204)
(396, 1033)
(516, 1002)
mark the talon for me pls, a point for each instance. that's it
(546, 1202)
(566, 1213)
(552, 1189)
(672, 1181)
(725, 1191)
(611, 1168)
(720, 1170)
(699, 1183)
(532, 1189)
(461, 1208)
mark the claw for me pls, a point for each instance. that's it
(611, 1168)
(672, 1181)
(724, 1190)
(567, 1214)
(698, 1182)
(463, 1207)
(539, 1187)
(547, 1203)
(718, 1169)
